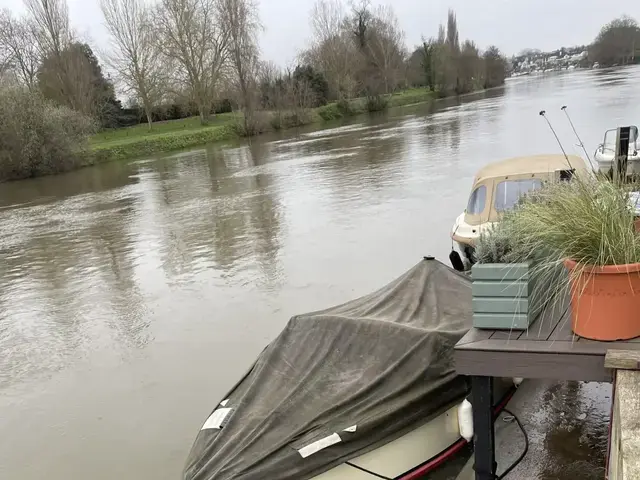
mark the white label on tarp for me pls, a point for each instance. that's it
(319, 445)
(216, 418)
(351, 429)
(223, 403)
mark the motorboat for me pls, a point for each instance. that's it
(497, 188)
(606, 152)
(361, 391)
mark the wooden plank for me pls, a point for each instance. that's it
(500, 321)
(568, 347)
(500, 271)
(622, 359)
(508, 335)
(546, 323)
(475, 335)
(484, 288)
(500, 305)
(549, 365)
(563, 332)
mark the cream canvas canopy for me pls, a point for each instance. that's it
(542, 167)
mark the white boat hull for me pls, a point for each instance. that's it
(465, 235)
(405, 454)
(605, 161)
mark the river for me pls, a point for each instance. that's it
(134, 294)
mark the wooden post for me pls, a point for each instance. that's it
(624, 442)
(484, 435)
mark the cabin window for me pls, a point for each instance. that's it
(509, 192)
(477, 201)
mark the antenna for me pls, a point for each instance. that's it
(564, 109)
(543, 114)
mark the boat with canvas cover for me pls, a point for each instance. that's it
(497, 188)
(361, 391)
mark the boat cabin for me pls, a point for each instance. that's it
(498, 187)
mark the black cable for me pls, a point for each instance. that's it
(368, 471)
(526, 446)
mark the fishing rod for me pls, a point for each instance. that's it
(543, 114)
(564, 109)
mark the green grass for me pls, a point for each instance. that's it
(170, 126)
(411, 96)
(138, 141)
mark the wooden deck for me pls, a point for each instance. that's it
(548, 349)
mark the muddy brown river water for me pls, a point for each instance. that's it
(134, 294)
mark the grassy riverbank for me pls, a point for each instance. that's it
(138, 141)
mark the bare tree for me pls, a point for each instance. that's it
(243, 25)
(386, 47)
(327, 17)
(194, 34)
(19, 51)
(333, 52)
(51, 25)
(135, 51)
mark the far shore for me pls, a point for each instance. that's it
(172, 135)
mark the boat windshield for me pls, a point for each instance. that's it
(610, 137)
(477, 201)
(509, 192)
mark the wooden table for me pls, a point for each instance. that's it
(548, 349)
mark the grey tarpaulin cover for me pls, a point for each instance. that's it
(353, 377)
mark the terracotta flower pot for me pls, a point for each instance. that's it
(605, 301)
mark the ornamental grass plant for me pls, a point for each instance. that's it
(585, 227)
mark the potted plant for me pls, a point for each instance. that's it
(587, 225)
(503, 286)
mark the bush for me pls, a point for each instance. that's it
(496, 245)
(330, 112)
(345, 107)
(39, 138)
(377, 103)
(258, 123)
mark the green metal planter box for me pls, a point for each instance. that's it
(502, 296)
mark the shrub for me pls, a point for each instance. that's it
(38, 138)
(330, 112)
(496, 245)
(345, 107)
(259, 122)
(377, 103)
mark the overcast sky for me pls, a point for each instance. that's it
(512, 25)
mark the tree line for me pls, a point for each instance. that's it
(618, 43)
(177, 58)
